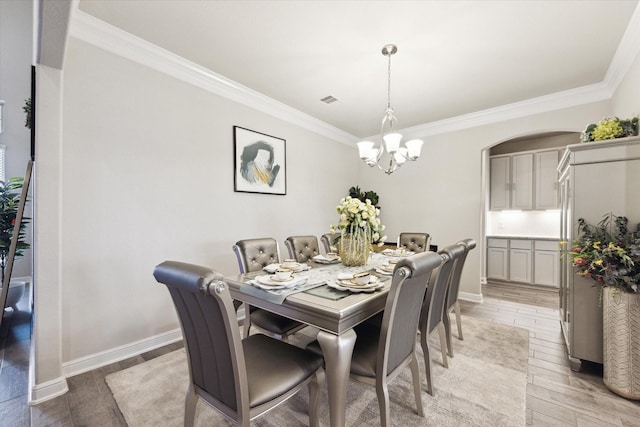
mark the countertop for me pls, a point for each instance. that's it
(503, 236)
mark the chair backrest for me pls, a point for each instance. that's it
(255, 254)
(329, 242)
(416, 242)
(433, 304)
(456, 273)
(302, 248)
(217, 367)
(402, 309)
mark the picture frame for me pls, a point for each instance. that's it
(260, 162)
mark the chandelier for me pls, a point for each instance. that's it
(397, 155)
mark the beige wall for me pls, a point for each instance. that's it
(148, 176)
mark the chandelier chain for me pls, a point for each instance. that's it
(389, 83)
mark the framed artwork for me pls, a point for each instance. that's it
(260, 164)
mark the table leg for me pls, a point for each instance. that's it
(337, 351)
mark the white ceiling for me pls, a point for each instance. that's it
(454, 57)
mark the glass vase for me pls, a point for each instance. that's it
(355, 248)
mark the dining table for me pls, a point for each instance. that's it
(333, 312)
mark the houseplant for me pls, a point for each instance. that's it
(359, 227)
(609, 254)
(9, 204)
(610, 128)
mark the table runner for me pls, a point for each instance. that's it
(317, 276)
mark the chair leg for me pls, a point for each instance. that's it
(315, 386)
(446, 321)
(458, 320)
(383, 403)
(247, 320)
(415, 375)
(424, 342)
(443, 346)
(190, 402)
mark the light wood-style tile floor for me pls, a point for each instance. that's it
(556, 396)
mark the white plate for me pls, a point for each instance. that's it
(373, 282)
(355, 290)
(267, 282)
(271, 268)
(384, 272)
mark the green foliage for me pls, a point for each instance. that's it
(27, 110)
(356, 193)
(10, 192)
(608, 253)
(610, 128)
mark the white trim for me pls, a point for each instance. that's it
(92, 30)
(48, 390)
(108, 37)
(103, 358)
(626, 53)
(466, 296)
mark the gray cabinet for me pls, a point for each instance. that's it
(527, 181)
(546, 263)
(524, 260)
(520, 261)
(511, 185)
(546, 180)
(595, 178)
(497, 259)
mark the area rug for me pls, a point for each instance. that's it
(484, 385)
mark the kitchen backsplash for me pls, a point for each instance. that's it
(524, 223)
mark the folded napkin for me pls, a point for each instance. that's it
(321, 259)
(271, 268)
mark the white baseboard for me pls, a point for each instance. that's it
(470, 297)
(97, 360)
(48, 390)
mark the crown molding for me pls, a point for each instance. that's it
(112, 39)
(627, 51)
(555, 101)
(89, 29)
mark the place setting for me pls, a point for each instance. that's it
(398, 252)
(387, 269)
(356, 282)
(287, 264)
(329, 258)
(282, 278)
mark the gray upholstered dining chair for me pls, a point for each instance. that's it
(433, 308)
(382, 351)
(452, 294)
(302, 248)
(240, 378)
(415, 242)
(329, 242)
(254, 255)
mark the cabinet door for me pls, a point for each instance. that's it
(546, 268)
(499, 192)
(522, 181)
(497, 263)
(520, 265)
(546, 179)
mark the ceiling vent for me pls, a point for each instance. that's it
(329, 99)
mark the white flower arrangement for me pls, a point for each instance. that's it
(358, 218)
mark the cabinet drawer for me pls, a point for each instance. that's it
(497, 243)
(520, 244)
(546, 245)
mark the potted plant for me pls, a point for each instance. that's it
(609, 254)
(359, 228)
(610, 128)
(9, 204)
